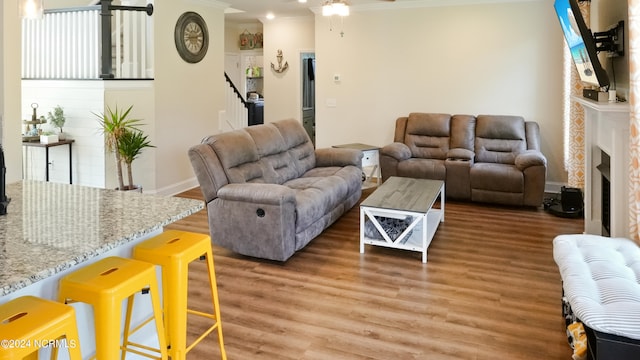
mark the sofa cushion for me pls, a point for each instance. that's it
(427, 135)
(275, 160)
(463, 131)
(497, 177)
(300, 146)
(315, 197)
(351, 175)
(238, 155)
(499, 138)
(422, 168)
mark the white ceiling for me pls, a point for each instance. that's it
(252, 10)
(256, 10)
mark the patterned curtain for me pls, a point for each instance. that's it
(634, 102)
(574, 115)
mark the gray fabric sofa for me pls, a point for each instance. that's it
(269, 192)
(484, 158)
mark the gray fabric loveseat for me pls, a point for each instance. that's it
(484, 158)
(269, 192)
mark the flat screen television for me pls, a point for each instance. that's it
(581, 43)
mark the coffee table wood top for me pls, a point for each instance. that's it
(405, 194)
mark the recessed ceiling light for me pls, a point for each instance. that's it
(270, 16)
(302, 1)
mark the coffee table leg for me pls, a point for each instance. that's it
(442, 198)
(424, 238)
(361, 231)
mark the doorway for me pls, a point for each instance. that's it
(308, 68)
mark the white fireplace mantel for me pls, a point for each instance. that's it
(606, 130)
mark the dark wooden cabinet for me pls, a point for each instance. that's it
(256, 112)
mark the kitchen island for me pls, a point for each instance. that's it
(52, 229)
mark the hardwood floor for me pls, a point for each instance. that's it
(489, 290)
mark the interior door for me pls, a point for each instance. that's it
(308, 66)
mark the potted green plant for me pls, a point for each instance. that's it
(57, 119)
(114, 124)
(130, 146)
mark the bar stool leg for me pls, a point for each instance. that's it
(107, 315)
(177, 320)
(127, 326)
(216, 303)
(73, 346)
(157, 315)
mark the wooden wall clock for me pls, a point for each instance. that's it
(191, 37)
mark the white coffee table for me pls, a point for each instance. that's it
(411, 203)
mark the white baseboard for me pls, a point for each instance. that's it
(176, 188)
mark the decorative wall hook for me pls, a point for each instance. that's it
(281, 68)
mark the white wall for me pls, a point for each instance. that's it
(282, 91)
(79, 100)
(188, 97)
(605, 14)
(83, 101)
(10, 92)
(502, 58)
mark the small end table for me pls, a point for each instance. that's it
(46, 151)
(370, 158)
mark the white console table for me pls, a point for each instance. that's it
(606, 130)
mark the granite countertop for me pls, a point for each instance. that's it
(51, 227)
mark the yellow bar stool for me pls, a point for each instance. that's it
(104, 285)
(174, 251)
(29, 323)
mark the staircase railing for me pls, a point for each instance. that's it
(77, 43)
(237, 114)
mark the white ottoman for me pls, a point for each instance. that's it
(601, 282)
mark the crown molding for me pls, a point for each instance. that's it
(210, 3)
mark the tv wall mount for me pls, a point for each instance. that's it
(611, 41)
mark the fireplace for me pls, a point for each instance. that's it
(605, 192)
(606, 168)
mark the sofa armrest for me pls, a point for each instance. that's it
(338, 157)
(460, 154)
(268, 194)
(396, 150)
(530, 158)
(256, 220)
